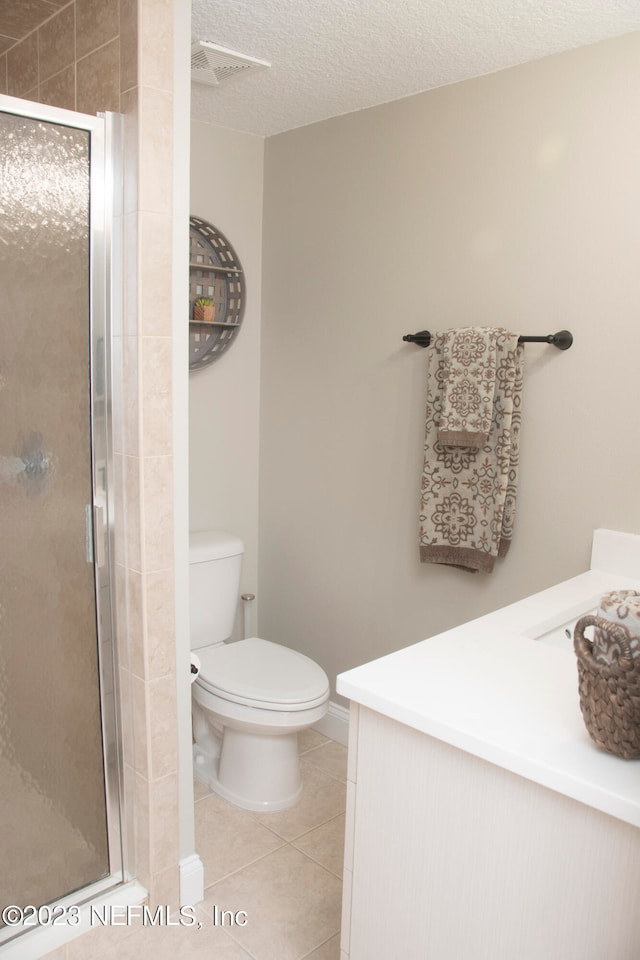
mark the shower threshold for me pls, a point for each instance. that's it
(68, 918)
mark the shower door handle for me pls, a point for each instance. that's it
(95, 535)
(31, 464)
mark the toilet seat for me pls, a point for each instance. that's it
(262, 674)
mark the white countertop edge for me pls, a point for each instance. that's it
(571, 764)
(579, 789)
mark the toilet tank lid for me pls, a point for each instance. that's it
(205, 545)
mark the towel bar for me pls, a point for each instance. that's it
(562, 340)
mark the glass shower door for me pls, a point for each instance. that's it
(53, 807)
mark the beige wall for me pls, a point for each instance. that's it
(224, 405)
(512, 199)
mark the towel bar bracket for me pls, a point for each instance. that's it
(423, 338)
(562, 340)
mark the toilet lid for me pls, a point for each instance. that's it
(259, 672)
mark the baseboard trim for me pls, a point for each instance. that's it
(191, 880)
(335, 724)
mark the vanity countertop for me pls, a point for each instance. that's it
(490, 688)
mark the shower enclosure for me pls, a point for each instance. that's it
(59, 762)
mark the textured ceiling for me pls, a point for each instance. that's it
(331, 57)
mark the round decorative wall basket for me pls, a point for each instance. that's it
(216, 293)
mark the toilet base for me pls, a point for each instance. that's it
(254, 772)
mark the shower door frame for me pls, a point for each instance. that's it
(105, 384)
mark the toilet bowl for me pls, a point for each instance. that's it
(250, 698)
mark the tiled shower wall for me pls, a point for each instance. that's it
(117, 55)
(81, 58)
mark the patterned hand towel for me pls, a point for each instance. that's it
(621, 607)
(469, 493)
(469, 358)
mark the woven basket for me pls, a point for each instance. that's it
(609, 693)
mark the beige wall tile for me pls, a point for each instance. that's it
(3, 73)
(119, 487)
(164, 824)
(122, 601)
(60, 90)
(56, 43)
(126, 717)
(20, 18)
(162, 722)
(160, 625)
(129, 829)
(140, 695)
(130, 292)
(22, 67)
(155, 281)
(117, 365)
(156, 395)
(142, 831)
(157, 491)
(132, 493)
(97, 23)
(131, 391)
(135, 620)
(156, 119)
(156, 44)
(166, 889)
(128, 44)
(98, 76)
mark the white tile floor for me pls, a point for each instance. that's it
(284, 870)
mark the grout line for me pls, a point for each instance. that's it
(249, 863)
(317, 827)
(324, 942)
(247, 955)
(334, 876)
(323, 743)
(316, 766)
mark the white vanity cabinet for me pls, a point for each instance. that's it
(482, 822)
(450, 857)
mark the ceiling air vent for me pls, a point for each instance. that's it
(212, 64)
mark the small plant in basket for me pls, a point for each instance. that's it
(204, 310)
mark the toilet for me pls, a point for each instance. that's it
(250, 698)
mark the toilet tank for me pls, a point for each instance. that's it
(215, 559)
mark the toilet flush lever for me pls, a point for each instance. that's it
(247, 600)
